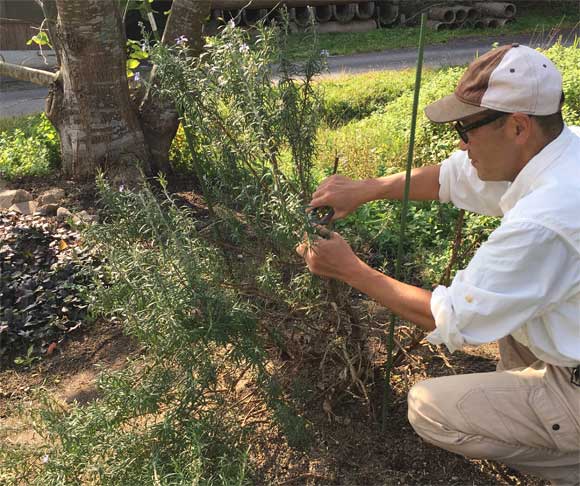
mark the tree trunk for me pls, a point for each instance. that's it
(159, 117)
(100, 126)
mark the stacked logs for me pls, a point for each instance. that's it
(358, 16)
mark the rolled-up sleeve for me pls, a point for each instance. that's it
(460, 185)
(521, 271)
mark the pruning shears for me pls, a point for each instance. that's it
(322, 216)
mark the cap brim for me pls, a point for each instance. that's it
(450, 109)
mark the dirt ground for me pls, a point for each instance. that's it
(348, 448)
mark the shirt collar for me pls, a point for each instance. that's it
(523, 182)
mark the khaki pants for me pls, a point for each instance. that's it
(525, 415)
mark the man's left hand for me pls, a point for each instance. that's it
(331, 257)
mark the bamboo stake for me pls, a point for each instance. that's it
(387, 397)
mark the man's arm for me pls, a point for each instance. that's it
(346, 195)
(334, 258)
(407, 301)
(424, 185)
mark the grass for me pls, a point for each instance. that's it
(11, 123)
(29, 146)
(538, 22)
(375, 143)
(348, 97)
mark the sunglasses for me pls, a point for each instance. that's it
(463, 129)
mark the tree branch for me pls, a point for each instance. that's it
(23, 73)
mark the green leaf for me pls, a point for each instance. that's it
(132, 63)
(139, 55)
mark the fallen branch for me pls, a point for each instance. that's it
(23, 73)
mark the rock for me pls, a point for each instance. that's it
(24, 208)
(15, 196)
(3, 185)
(86, 217)
(52, 196)
(62, 214)
(47, 210)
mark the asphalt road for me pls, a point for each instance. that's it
(22, 98)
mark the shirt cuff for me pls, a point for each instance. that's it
(446, 330)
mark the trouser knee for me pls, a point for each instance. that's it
(424, 415)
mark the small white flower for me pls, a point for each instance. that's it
(324, 53)
(231, 24)
(44, 459)
(181, 40)
(121, 188)
(137, 77)
(244, 48)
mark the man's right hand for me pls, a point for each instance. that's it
(341, 193)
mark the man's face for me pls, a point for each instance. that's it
(490, 149)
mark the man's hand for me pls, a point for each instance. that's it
(340, 193)
(334, 258)
(331, 258)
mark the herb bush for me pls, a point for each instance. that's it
(175, 414)
(29, 146)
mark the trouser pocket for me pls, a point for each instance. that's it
(556, 419)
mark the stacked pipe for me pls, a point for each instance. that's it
(474, 15)
(358, 15)
(326, 15)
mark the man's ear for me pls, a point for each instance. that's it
(521, 127)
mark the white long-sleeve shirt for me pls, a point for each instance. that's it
(525, 280)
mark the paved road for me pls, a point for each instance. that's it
(20, 98)
(455, 53)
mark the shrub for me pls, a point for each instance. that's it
(174, 415)
(250, 142)
(29, 146)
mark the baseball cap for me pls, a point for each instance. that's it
(511, 78)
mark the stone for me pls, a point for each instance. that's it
(47, 210)
(24, 208)
(14, 196)
(62, 214)
(86, 217)
(52, 196)
(3, 185)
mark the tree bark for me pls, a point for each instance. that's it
(160, 119)
(100, 126)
